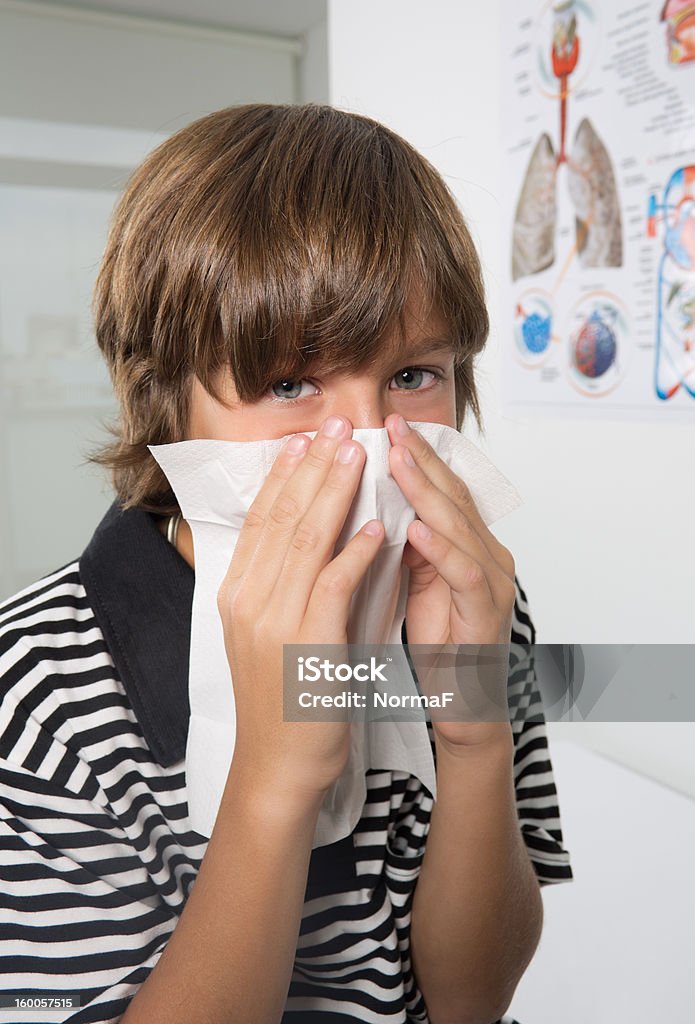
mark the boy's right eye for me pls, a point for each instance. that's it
(289, 390)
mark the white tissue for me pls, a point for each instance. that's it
(215, 483)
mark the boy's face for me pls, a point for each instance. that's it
(419, 385)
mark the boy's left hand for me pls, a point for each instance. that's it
(461, 588)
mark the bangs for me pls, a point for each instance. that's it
(323, 238)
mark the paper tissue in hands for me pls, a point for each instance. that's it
(215, 483)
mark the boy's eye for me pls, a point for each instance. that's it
(287, 390)
(411, 377)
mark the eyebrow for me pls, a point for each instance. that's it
(425, 346)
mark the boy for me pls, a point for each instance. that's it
(265, 246)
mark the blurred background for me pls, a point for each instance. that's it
(602, 542)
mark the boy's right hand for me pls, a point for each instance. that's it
(282, 587)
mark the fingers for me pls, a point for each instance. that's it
(449, 483)
(285, 516)
(332, 592)
(474, 589)
(446, 520)
(287, 460)
(312, 544)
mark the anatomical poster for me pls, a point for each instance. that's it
(598, 203)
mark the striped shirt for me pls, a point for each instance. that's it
(97, 855)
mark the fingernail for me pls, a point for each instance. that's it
(402, 427)
(407, 457)
(374, 527)
(423, 531)
(333, 427)
(296, 444)
(347, 452)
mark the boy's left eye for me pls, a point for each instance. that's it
(410, 376)
(410, 371)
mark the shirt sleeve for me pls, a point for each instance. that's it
(534, 783)
(536, 800)
(78, 912)
(536, 794)
(405, 849)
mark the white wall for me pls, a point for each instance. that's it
(602, 540)
(129, 72)
(313, 65)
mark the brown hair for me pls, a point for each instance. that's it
(262, 238)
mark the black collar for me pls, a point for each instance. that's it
(141, 591)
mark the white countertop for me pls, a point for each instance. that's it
(618, 942)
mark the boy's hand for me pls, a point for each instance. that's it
(284, 587)
(462, 587)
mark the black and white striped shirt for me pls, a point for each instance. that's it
(97, 856)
